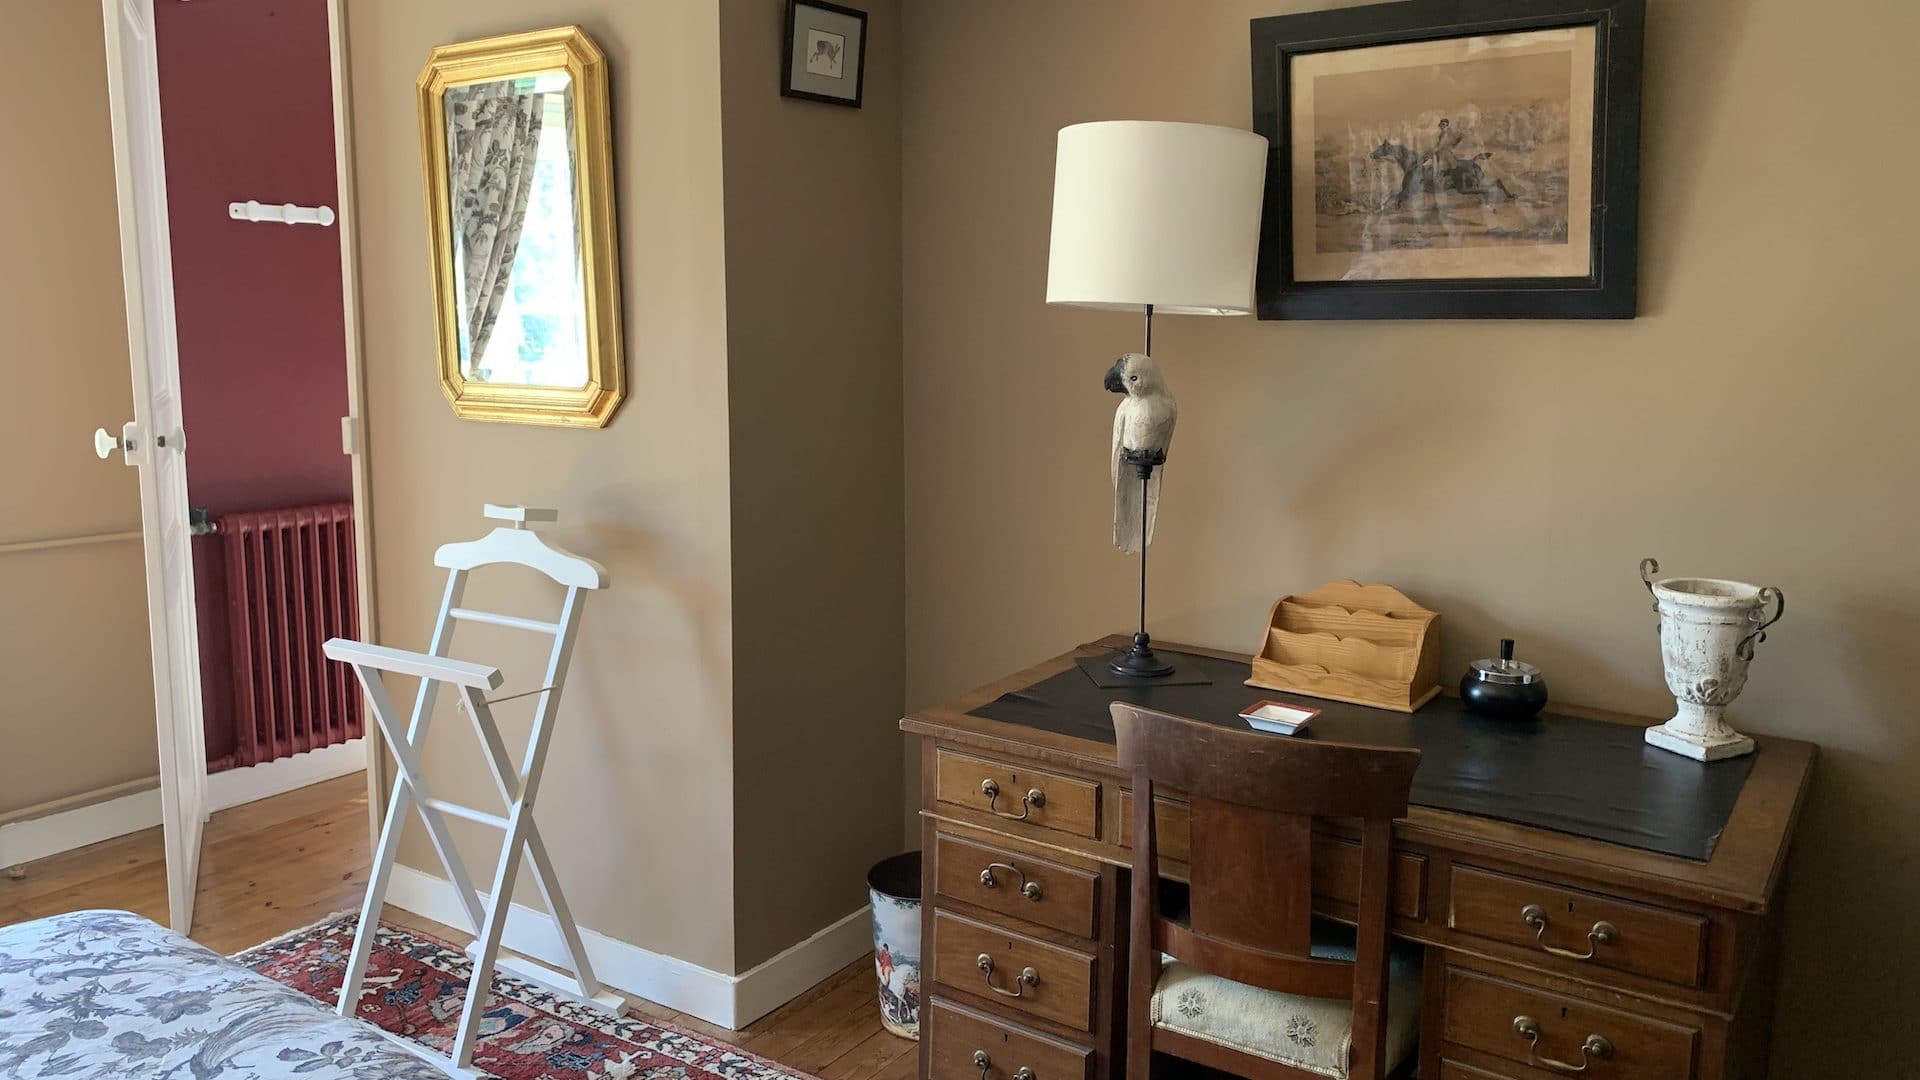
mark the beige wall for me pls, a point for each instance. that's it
(1755, 422)
(76, 682)
(638, 806)
(747, 500)
(813, 381)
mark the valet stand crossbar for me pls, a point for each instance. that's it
(515, 544)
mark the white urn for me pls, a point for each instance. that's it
(1708, 630)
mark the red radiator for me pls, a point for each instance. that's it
(290, 587)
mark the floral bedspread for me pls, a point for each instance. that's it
(110, 994)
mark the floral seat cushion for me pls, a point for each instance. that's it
(1314, 1034)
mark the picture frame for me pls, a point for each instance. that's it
(1450, 159)
(534, 105)
(825, 58)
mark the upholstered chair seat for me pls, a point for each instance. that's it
(1312, 1034)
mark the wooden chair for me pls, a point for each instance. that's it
(1251, 991)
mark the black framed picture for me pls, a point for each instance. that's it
(1450, 159)
(826, 57)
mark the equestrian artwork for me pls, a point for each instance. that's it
(1465, 158)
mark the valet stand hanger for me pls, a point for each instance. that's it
(517, 545)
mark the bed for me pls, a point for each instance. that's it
(108, 993)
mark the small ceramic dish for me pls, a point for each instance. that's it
(1277, 717)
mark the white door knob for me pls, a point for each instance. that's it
(105, 443)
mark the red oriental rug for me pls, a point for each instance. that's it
(416, 986)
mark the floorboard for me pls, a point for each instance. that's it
(282, 863)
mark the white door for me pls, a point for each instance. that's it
(154, 442)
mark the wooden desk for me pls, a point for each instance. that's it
(1682, 990)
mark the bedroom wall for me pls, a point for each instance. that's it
(1509, 474)
(81, 678)
(747, 500)
(813, 381)
(638, 804)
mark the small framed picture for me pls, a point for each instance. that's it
(826, 57)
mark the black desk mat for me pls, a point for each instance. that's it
(1585, 777)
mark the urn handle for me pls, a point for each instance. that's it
(1648, 567)
(1779, 600)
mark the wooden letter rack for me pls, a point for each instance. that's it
(1364, 644)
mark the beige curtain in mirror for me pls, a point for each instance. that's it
(493, 142)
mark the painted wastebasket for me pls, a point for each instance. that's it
(894, 887)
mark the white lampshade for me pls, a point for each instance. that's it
(1156, 213)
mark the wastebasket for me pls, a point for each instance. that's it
(894, 887)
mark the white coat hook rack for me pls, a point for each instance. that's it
(516, 782)
(286, 213)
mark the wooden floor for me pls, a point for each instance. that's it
(282, 863)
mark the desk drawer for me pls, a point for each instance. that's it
(1015, 884)
(1016, 793)
(966, 1045)
(1014, 970)
(1453, 1070)
(1580, 927)
(1551, 1031)
(1336, 862)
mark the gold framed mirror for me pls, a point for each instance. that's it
(517, 148)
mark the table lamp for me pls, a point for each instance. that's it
(1151, 216)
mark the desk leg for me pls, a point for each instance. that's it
(1433, 1010)
(927, 891)
(1110, 1029)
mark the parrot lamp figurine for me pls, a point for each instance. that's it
(1151, 214)
(1142, 431)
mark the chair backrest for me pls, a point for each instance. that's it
(1254, 797)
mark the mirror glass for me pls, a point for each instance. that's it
(515, 229)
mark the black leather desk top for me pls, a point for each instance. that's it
(1588, 778)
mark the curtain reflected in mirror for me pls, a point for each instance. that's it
(526, 272)
(522, 300)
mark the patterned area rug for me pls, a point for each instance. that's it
(416, 986)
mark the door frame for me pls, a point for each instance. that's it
(182, 657)
(354, 424)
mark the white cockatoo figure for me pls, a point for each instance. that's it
(1142, 431)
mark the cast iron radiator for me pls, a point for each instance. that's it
(290, 586)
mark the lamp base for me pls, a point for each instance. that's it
(1116, 671)
(1140, 662)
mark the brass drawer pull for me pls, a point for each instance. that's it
(1596, 1047)
(1028, 889)
(1033, 799)
(1535, 917)
(1028, 978)
(982, 1062)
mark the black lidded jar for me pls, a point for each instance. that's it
(1504, 689)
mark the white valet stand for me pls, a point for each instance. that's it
(515, 545)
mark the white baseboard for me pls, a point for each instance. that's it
(731, 1001)
(232, 787)
(779, 979)
(38, 838)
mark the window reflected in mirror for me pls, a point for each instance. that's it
(521, 298)
(526, 276)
